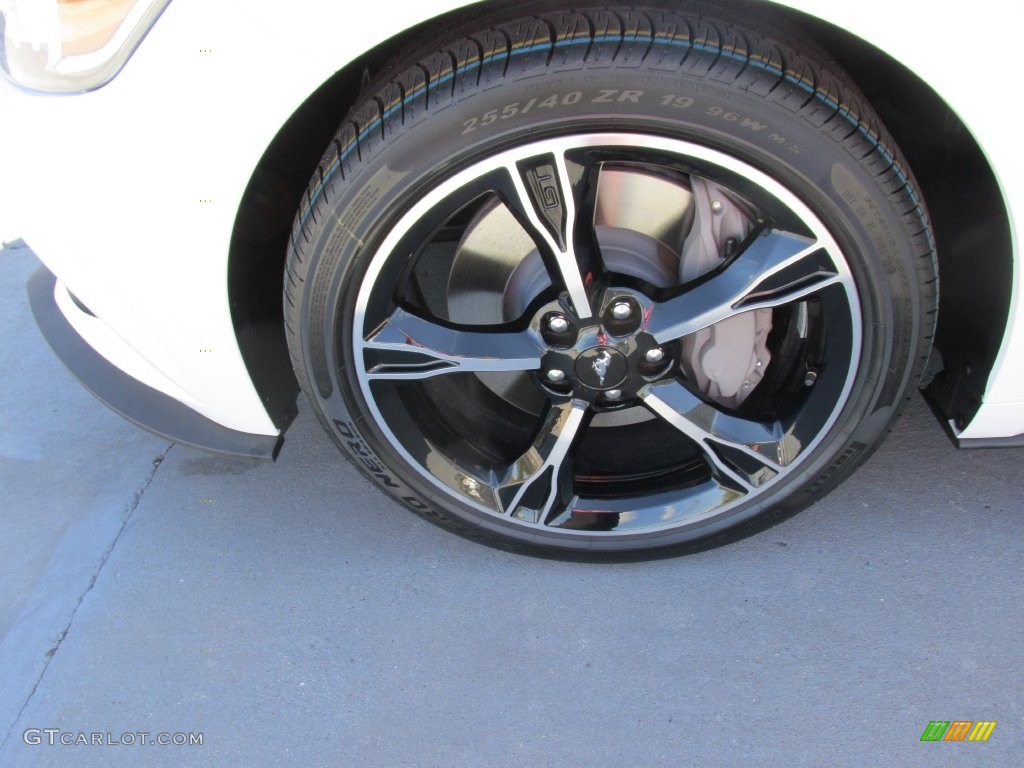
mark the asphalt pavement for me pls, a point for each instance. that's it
(289, 614)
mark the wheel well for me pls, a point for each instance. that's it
(969, 218)
(974, 292)
(259, 239)
(263, 223)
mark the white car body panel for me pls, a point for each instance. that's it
(168, 147)
(172, 122)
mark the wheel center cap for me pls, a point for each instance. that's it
(601, 368)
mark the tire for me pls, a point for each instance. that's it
(598, 282)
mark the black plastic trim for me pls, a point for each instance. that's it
(140, 404)
(991, 442)
(1006, 441)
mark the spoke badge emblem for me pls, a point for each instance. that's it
(600, 365)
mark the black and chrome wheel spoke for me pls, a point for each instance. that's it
(409, 347)
(775, 268)
(539, 482)
(739, 451)
(543, 200)
(630, 370)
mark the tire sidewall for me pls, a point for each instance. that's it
(813, 162)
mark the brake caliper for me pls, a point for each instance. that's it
(728, 359)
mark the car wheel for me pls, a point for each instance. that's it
(625, 282)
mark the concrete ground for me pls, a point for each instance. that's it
(293, 616)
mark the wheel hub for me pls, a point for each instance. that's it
(606, 363)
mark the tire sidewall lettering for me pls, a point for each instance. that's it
(352, 441)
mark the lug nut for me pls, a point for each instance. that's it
(613, 394)
(621, 310)
(655, 355)
(556, 375)
(558, 324)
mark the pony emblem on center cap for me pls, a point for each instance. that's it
(600, 365)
